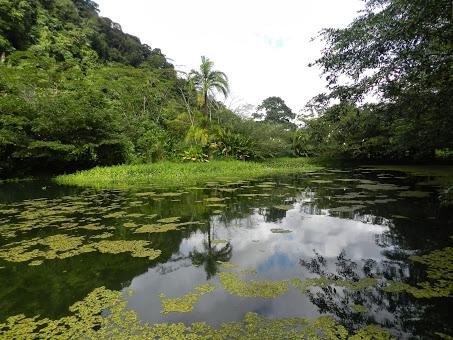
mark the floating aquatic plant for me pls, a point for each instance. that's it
(359, 309)
(439, 271)
(88, 322)
(283, 207)
(156, 228)
(248, 272)
(135, 247)
(186, 303)
(414, 194)
(227, 265)
(169, 220)
(280, 231)
(254, 288)
(219, 241)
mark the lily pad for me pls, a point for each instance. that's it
(280, 231)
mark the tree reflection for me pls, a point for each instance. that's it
(211, 255)
(400, 312)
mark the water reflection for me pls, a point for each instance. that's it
(343, 225)
(211, 255)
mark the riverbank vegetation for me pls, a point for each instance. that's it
(77, 92)
(170, 174)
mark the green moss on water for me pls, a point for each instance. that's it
(414, 194)
(156, 228)
(169, 220)
(86, 321)
(322, 282)
(254, 288)
(186, 303)
(380, 186)
(63, 246)
(280, 231)
(359, 309)
(440, 272)
(137, 248)
(219, 241)
(227, 265)
(283, 206)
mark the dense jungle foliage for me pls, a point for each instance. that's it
(399, 52)
(76, 92)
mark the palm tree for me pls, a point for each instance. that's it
(211, 256)
(208, 82)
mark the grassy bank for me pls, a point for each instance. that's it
(181, 174)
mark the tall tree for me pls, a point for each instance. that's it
(274, 109)
(209, 81)
(401, 52)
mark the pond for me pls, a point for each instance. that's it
(362, 246)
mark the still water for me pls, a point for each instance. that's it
(255, 243)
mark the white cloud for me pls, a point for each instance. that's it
(263, 46)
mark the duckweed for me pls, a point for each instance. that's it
(186, 303)
(87, 321)
(439, 271)
(280, 231)
(156, 228)
(135, 247)
(414, 194)
(254, 288)
(169, 220)
(283, 207)
(63, 246)
(219, 241)
(359, 309)
(227, 265)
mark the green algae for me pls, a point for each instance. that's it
(219, 241)
(227, 265)
(216, 205)
(63, 246)
(135, 247)
(102, 236)
(320, 181)
(254, 288)
(381, 186)
(245, 272)
(145, 194)
(440, 272)
(350, 208)
(214, 199)
(414, 194)
(130, 225)
(359, 309)
(228, 189)
(280, 231)
(170, 194)
(283, 207)
(156, 228)
(86, 321)
(52, 247)
(323, 282)
(169, 220)
(186, 303)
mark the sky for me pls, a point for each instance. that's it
(263, 46)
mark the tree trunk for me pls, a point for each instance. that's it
(205, 104)
(3, 57)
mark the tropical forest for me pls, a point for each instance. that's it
(138, 200)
